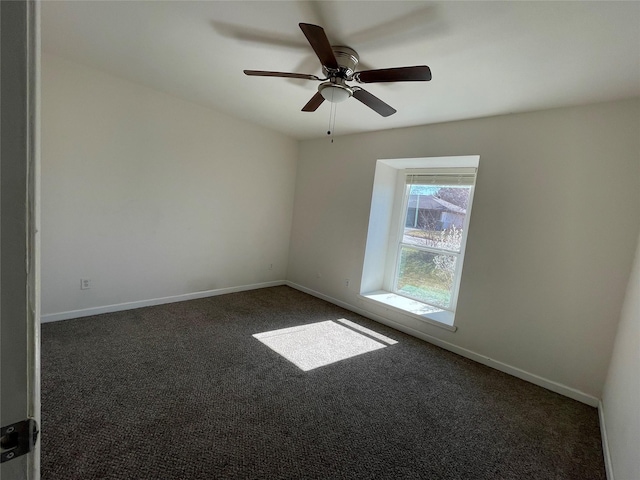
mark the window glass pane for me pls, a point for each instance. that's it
(425, 276)
(435, 215)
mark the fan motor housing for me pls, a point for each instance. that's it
(347, 59)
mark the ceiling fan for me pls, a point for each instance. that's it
(339, 65)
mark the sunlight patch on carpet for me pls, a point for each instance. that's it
(319, 344)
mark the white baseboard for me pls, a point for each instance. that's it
(503, 367)
(608, 466)
(87, 312)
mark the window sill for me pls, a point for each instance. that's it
(418, 310)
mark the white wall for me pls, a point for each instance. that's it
(151, 196)
(555, 217)
(621, 397)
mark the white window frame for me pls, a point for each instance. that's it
(386, 222)
(397, 234)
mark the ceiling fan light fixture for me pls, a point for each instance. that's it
(334, 92)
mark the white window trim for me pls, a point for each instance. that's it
(410, 308)
(380, 292)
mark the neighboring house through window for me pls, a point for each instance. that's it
(417, 235)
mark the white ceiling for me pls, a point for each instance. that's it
(487, 58)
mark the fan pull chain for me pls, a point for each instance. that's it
(333, 121)
(332, 118)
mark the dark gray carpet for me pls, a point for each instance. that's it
(183, 391)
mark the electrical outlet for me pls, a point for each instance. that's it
(347, 282)
(85, 283)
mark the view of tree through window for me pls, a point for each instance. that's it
(431, 242)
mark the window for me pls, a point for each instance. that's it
(420, 211)
(429, 246)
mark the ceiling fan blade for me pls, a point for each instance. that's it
(261, 73)
(313, 104)
(320, 44)
(373, 102)
(420, 73)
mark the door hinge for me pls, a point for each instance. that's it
(18, 439)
